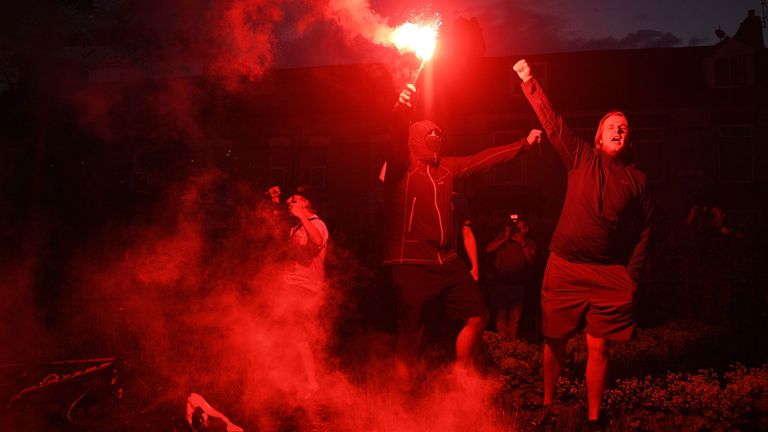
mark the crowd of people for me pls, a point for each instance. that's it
(594, 262)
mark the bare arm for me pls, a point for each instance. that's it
(300, 210)
(470, 245)
(313, 233)
(496, 243)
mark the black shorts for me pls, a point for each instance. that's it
(595, 297)
(451, 283)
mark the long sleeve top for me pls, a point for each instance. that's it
(420, 228)
(606, 216)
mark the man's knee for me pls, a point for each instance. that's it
(556, 344)
(477, 322)
(597, 347)
(554, 349)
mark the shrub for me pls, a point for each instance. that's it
(703, 400)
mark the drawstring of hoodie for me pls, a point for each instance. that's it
(437, 207)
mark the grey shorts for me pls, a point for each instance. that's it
(595, 297)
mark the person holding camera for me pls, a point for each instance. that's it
(515, 256)
(598, 249)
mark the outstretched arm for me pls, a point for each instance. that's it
(568, 146)
(484, 160)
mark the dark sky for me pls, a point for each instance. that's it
(232, 39)
(525, 27)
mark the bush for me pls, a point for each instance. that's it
(703, 400)
(706, 400)
(677, 345)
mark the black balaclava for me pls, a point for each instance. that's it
(419, 147)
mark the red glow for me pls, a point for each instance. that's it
(203, 312)
(418, 38)
(245, 32)
(214, 318)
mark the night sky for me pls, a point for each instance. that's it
(547, 26)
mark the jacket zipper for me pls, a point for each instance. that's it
(437, 208)
(410, 218)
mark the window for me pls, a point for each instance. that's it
(735, 153)
(278, 142)
(317, 154)
(278, 176)
(317, 175)
(693, 150)
(731, 71)
(279, 159)
(279, 150)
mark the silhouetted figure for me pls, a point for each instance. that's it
(712, 259)
(515, 254)
(598, 248)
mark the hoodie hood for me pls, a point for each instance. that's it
(417, 142)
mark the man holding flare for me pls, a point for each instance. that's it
(419, 235)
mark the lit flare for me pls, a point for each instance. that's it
(418, 38)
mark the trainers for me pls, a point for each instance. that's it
(546, 415)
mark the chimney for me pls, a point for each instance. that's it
(751, 30)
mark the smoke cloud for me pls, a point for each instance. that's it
(194, 299)
(182, 278)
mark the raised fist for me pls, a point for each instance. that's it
(534, 137)
(405, 100)
(523, 70)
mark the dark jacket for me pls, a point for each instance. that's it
(420, 228)
(606, 216)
